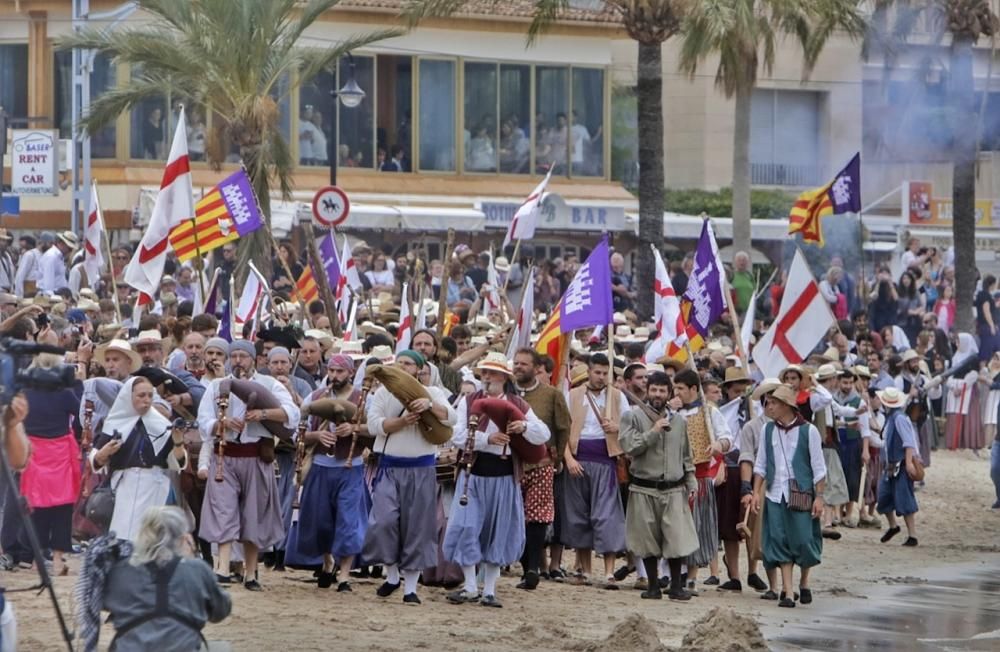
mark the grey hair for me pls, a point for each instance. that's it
(161, 536)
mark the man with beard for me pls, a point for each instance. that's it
(916, 384)
(538, 485)
(425, 341)
(849, 432)
(488, 529)
(149, 346)
(244, 506)
(662, 481)
(331, 518)
(402, 534)
(593, 519)
(635, 382)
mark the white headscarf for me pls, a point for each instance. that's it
(123, 418)
(967, 348)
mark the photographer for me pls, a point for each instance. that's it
(17, 449)
(884, 300)
(51, 481)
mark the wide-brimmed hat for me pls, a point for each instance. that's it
(69, 239)
(623, 333)
(736, 375)
(862, 371)
(892, 398)
(794, 368)
(88, 305)
(501, 264)
(619, 318)
(640, 334)
(5, 235)
(7, 299)
(370, 328)
(495, 361)
(383, 353)
(122, 347)
(578, 374)
(148, 337)
(672, 363)
(826, 372)
(785, 394)
(766, 386)
(909, 354)
(353, 349)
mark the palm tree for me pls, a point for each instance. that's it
(650, 23)
(239, 59)
(966, 22)
(745, 34)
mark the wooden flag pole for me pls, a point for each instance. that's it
(611, 369)
(321, 280)
(106, 239)
(445, 279)
(513, 257)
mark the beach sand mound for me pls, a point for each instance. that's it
(723, 630)
(634, 634)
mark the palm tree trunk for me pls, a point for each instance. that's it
(649, 97)
(741, 170)
(964, 180)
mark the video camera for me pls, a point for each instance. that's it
(16, 372)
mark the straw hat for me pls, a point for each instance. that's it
(671, 363)
(87, 305)
(353, 349)
(766, 386)
(640, 334)
(495, 361)
(793, 368)
(69, 239)
(7, 299)
(501, 264)
(735, 375)
(619, 318)
(908, 355)
(653, 367)
(370, 328)
(122, 347)
(325, 338)
(578, 374)
(785, 394)
(623, 333)
(481, 323)
(826, 372)
(862, 371)
(148, 337)
(383, 353)
(832, 354)
(892, 398)
(5, 235)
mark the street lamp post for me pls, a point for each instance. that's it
(350, 95)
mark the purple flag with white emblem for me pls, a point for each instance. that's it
(328, 254)
(587, 300)
(705, 285)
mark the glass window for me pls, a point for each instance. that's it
(149, 128)
(480, 132)
(357, 124)
(437, 115)
(315, 113)
(102, 78)
(14, 79)
(625, 136)
(515, 118)
(587, 123)
(784, 138)
(395, 112)
(551, 120)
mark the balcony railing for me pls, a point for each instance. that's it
(781, 174)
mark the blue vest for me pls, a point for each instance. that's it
(801, 468)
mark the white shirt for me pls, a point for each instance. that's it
(536, 433)
(7, 272)
(307, 145)
(27, 270)
(591, 425)
(254, 430)
(783, 446)
(580, 137)
(53, 271)
(385, 277)
(407, 442)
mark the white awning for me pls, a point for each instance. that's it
(419, 218)
(370, 216)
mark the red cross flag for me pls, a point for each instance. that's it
(174, 204)
(522, 227)
(802, 321)
(93, 257)
(404, 333)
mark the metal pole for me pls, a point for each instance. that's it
(331, 142)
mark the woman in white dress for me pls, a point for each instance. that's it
(137, 446)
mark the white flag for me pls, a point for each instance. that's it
(404, 333)
(349, 273)
(525, 318)
(93, 256)
(252, 297)
(522, 227)
(174, 204)
(802, 321)
(667, 312)
(746, 328)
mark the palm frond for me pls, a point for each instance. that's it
(413, 11)
(544, 15)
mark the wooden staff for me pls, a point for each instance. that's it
(111, 266)
(513, 257)
(443, 290)
(738, 339)
(322, 280)
(611, 362)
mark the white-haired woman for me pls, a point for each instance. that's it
(160, 598)
(136, 446)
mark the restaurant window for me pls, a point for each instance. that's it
(102, 78)
(437, 115)
(357, 124)
(515, 118)
(479, 134)
(315, 121)
(587, 123)
(14, 79)
(551, 119)
(395, 113)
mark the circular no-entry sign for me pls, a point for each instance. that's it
(330, 206)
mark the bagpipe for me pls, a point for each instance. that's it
(407, 389)
(332, 411)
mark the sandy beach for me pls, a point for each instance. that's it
(955, 527)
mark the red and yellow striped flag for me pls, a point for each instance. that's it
(306, 289)
(809, 207)
(206, 225)
(552, 343)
